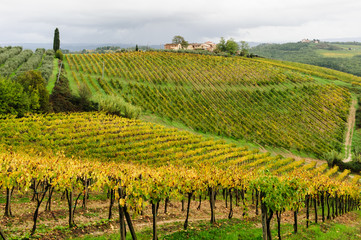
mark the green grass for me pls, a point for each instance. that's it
(53, 77)
(15, 200)
(235, 229)
(72, 84)
(327, 232)
(224, 229)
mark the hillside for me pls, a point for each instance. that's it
(239, 98)
(151, 163)
(341, 56)
(15, 61)
(230, 107)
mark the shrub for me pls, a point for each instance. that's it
(46, 68)
(116, 105)
(14, 62)
(85, 95)
(10, 52)
(33, 62)
(13, 99)
(332, 157)
(59, 55)
(354, 166)
(34, 84)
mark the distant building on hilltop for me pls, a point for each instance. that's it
(172, 46)
(209, 46)
(310, 41)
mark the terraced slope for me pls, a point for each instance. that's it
(234, 97)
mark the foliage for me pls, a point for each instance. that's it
(46, 67)
(116, 105)
(332, 157)
(8, 53)
(85, 93)
(33, 62)
(354, 166)
(180, 40)
(229, 46)
(56, 42)
(244, 48)
(59, 55)
(13, 99)
(154, 163)
(61, 96)
(34, 84)
(14, 62)
(221, 46)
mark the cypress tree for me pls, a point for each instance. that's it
(56, 44)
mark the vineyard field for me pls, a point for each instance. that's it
(104, 137)
(233, 97)
(140, 164)
(52, 163)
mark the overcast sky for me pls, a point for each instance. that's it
(157, 21)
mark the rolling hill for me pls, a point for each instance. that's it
(253, 103)
(341, 56)
(239, 98)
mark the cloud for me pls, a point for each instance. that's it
(157, 21)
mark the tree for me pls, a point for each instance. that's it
(244, 48)
(221, 46)
(136, 48)
(34, 84)
(61, 97)
(56, 44)
(180, 40)
(177, 39)
(230, 46)
(13, 99)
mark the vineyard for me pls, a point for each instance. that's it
(317, 71)
(15, 61)
(52, 163)
(234, 97)
(142, 164)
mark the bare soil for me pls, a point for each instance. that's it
(350, 126)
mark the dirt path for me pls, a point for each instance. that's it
(350, 127)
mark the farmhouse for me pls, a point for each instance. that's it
(310, 41)
(172, 46)
(209, 46)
